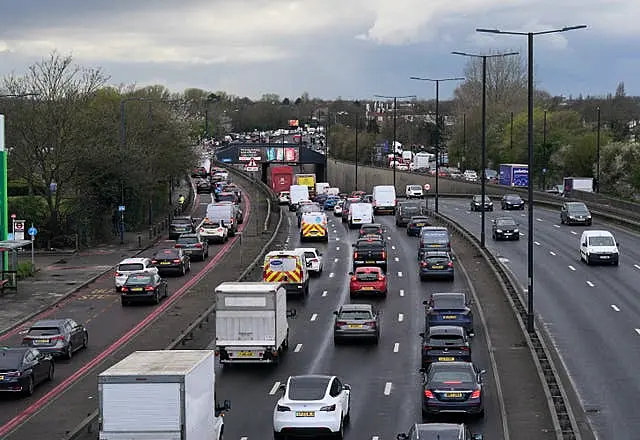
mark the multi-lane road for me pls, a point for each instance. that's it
(591, 312)
(385, 381)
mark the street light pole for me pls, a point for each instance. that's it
(544, 151)
(511, 134)
(597, 185)
(530, 35)
(357, 151)
(483, 172)
(464, 141)
(437, 82)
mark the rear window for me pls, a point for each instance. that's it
(139, 280)
(167, 253)
(410, 209)
(373, 244)
(130, 267)
(308, 388)
(366, 276)
(187, 240)
(44, 331)
(453, 376)
(440, 237)
(441, 340)
(226, 198)
(449, 302)
(181, 221)
(355, 314)
(436, 259)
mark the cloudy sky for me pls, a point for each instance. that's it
(329, 48)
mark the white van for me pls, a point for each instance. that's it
(384, 199)
(599, 247)
(360, 214)
(322, 187)
(297, 193)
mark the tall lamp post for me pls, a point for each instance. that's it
(530, 35)
(597, 185)
(437, 82)
(395, 115)
(483, 177)
(211, 98)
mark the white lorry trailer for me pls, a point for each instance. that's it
(161, 395)
(251, 322)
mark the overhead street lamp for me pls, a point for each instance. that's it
(395, 114)
(530, 35)
(597, 185)
(483, 178)
(437, 81)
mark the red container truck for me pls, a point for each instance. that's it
(281, 178)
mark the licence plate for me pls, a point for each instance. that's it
(137, 289)
(41, 341)
(446, 359)
(420, 224)
(165, 262)
(436, 245)
(354, 326)
(367, 288)
(449, 317)
(452, 395)
(604, 257)
(245, 354)
(1, 377)
(437, 267)
(305, 413)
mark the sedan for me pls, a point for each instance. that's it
(511, 201)
(356, 321)
(368, 279)
(505, 228)
(144, 287)
(372, 229)
(452, 387)
(445, 343)
(180, 225)
(171, 260)
(193, 245)
(312, 404)
(436, 264)
(449, 309)
(416, 223)
(57, 337)
(478, 205)
(439, 431)
(23, 368)
(203, 186)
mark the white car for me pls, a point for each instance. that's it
(313, 257)
(470, 176)
(310, 403)
(413, 191)
(337, 210)
(284, 198)
(213, 231)
(129, 266)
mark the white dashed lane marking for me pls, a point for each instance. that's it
(637, 266)
(537, 243)
(615, 307)
(400, 317)
(638, 331)
(337, 248)
(552, 253)
(393, 247)
(539, 219)
(274, 389)
(397, 259)
(590, 284)
(574, 232)
(396, 347)
(298, 348)
(556, 226)
(337, 239)
(244, 438)
(387, 388)
(572, 268)
(314, 317)
(324, 293)
(389, 238)
(331, 275)
(401, 292)
(335, 260)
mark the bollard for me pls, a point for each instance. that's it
(150, 233)
(139, 240)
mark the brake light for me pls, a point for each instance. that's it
(353, 278)
(355, 254)
(178, 245)
(201, 229)
(149, 288)
(371, 323)
(154, 261)
(380, 277)
(199, 245)
(57, 338)
(176, 261)
(124, 289)
(450, 264)
(12, 373)
(384, 255)
(340, 323)
(423, 264)
(428, 394)
(328, 408)
(427, 348)
(118, 274)
(452, 382)
(463, 348)
(475, 394)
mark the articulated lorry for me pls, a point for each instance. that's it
(161, 395)
(251, 322)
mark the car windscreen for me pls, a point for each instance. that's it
(601, 241)
(187, 240)
(181, 221)
(309, 255)
(513, 198)
(439, 237)
(308, 388)
(415, 187)
(354, 315)
(130, 267)
(44, 331)
(226, 197)
(577, 209)
(365, 275)
(137, 280)
(167, 253)
(449, 302)
(453, 376)
(10, 360)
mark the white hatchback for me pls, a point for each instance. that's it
(129, 266)
(312, 404)
(313, 258)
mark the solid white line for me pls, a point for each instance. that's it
(590, 284)
(399, 274)
(324, 293)
(556, 226)
(552, 253)
(335, 260)
(396, 347)
(615, 307)
(636, 266)
(537, 243)
(314, 317)
(574, 232)
(572, 268)
(401, 292)
(331, 275)
(400, 317)
(387, 388)
(393, 247)
(638, 331)
(274, 389)
(397, 259)
(298, 348)
(337, 248)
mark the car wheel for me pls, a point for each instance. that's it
(277, 436)
(183, 271)
(336, 340)
(85, 340)
(340, 434)
(51, 373)
(156, 297)
(28, 390)
(189, 266)
(347, 417)
(384, 294)
(69, 351)
(481, 414)
(561, 220)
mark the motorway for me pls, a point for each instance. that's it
(591, 312)
(386, 383)
(109, 325)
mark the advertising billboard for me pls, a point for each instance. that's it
(246, 154)
(282, 154)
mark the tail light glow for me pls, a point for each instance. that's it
(475, 394)
(199, 245)
(428, 394)
(450, 264)
(340, 323)
(117, 274)
(178, 245)
(154, 261)
(177, 261)
(463, 348)
(57, 338)
(149, 288)
(371, 323)
(355, 255)
(124, 289)
(380, 277)
(423, 264)
(384, 255)
(353, 278)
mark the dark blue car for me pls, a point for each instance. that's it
(331, 202)
(416, 224)
(449, 309)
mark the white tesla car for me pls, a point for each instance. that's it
(312, 404)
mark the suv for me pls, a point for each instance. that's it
(181, 225)
(132, 265)
(573, 213)
(194, 245)
(433, 238)
(370, 252)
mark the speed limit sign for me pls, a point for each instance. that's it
(427, 187)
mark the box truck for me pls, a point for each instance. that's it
(512, 174)
(308, 180)
(578, 184)
(251, 322)
(161, 395)
(423, 160)
(281, 177)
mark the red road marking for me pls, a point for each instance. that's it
(65, 384)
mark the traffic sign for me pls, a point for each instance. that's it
(121, 208)
(251, 166)
(32, 231)
(427, 187)
(19, 226)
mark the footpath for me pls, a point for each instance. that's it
(61, 273)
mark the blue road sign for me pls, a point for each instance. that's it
(32, 231)
(121, 208)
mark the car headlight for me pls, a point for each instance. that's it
(589, 216)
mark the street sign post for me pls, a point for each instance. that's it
(4, 223)
(252, 166)
(33, 232)
(427, 187)
(18, 229)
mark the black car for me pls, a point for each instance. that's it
(575, 213)
(477, 205)
(451, 308)
(203, 186)
(511, 201)
(171, 260)
(505, 228)
(181, 225)
(370, 252)
(371, 230)
(227, 197)
(57, 337)
(199, 172)
(452, 387)
(22, 368)
(445, 343)
(143, 287)
(407, 210)
(439, 431)
(416, 223)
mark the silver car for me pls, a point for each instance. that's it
(355, 321)
(58, 337)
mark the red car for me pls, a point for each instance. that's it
(368, 279)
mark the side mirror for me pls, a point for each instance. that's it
(422, 370)
(282, 387)
(291, 313)
(320, 254)
(482, 372)
(346, 387)
(308, 263)
(353, 245)
(402, 437)
(425, 302)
